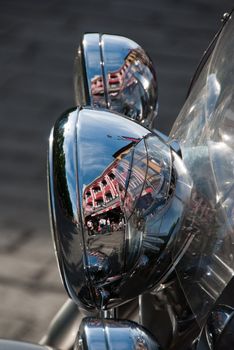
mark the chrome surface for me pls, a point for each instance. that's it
(111, 334)
(112, 313)
(115, 73)
(118, 196)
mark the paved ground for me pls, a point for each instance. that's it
(37, 45)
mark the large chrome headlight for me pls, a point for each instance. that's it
(118, 194)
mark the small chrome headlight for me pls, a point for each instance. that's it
(108, 334)
(114, 72)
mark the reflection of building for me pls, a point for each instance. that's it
(122, 180)
(102, 191)
(117, 80)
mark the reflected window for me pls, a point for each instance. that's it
(104, 183)
(96, 189)
(108, 196)
(121, 169)
(154, 176)
(99, 202)
(111, 176)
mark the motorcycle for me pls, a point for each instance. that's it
(142, 222)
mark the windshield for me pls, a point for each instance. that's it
(205, 129)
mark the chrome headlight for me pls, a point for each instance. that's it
(118, 195)
(114, 72)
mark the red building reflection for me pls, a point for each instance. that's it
(117, 80)
(130, 177)
(102, 195)
(106, 192)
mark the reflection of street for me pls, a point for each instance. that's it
(105, 255)
(106, 243)
(103, 224)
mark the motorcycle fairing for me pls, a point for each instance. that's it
(204, 130)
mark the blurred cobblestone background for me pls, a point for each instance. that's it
(38, 40)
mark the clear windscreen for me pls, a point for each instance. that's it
(205, 130)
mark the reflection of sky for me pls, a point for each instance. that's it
(68, 148)
(115, 51)
(99, 138)
(115, 59)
